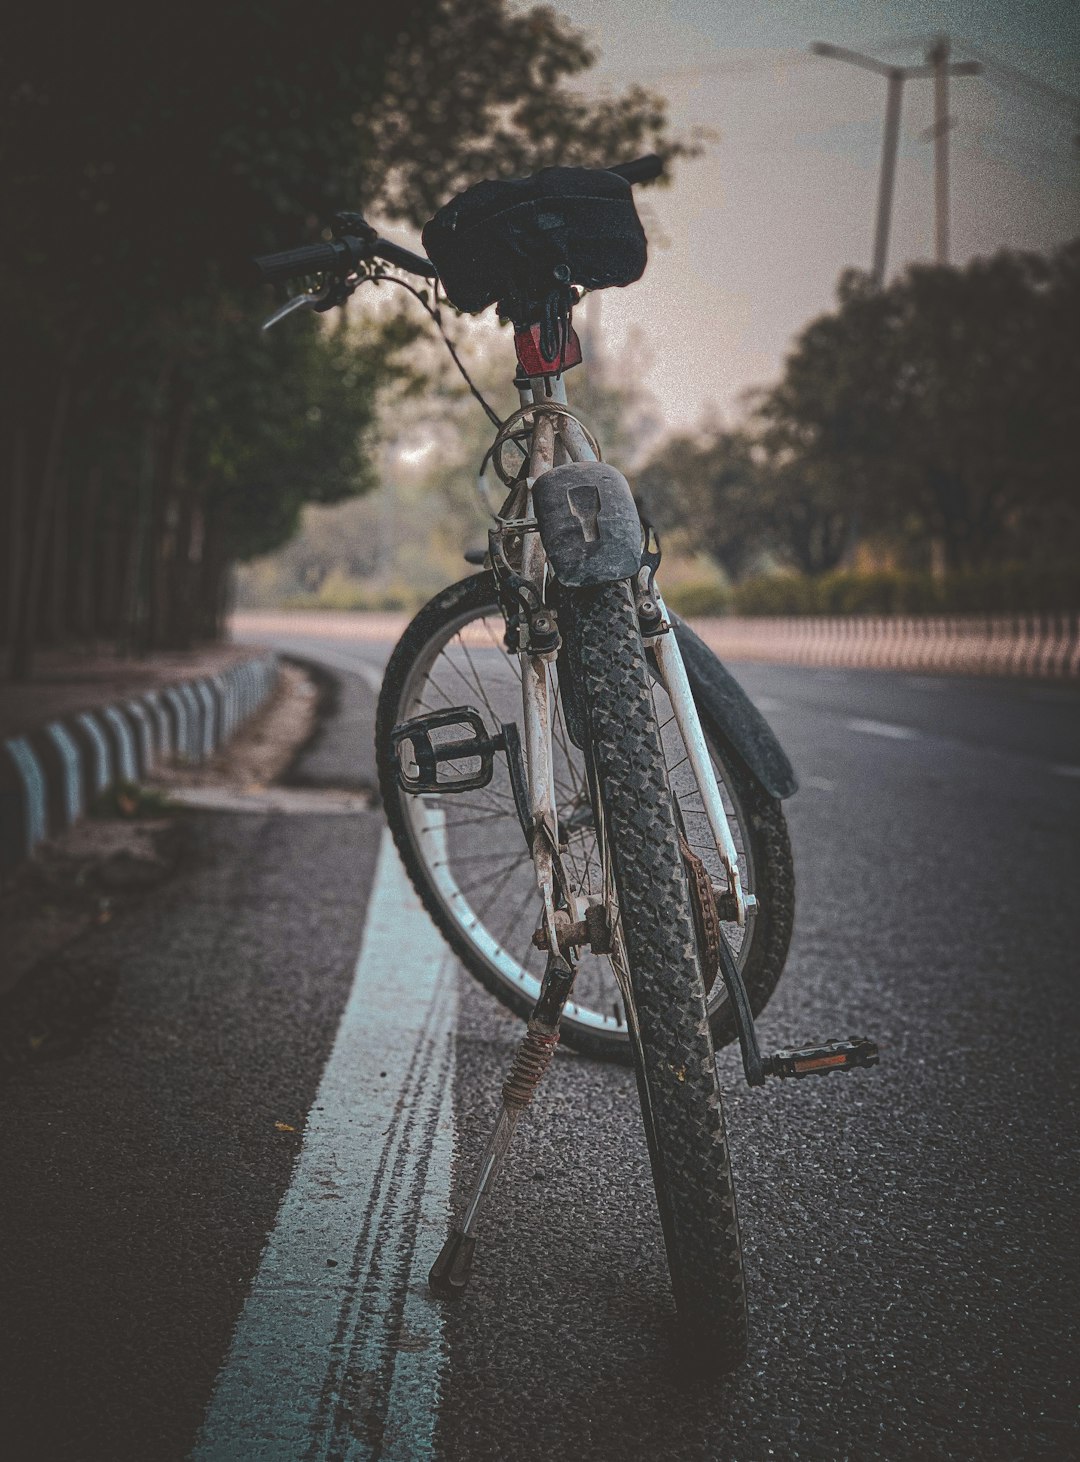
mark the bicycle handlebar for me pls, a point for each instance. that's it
(307, 259)
(405, 259)
(339, 256)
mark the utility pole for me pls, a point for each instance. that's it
(940, 69)
(894, 96)
(938, 57)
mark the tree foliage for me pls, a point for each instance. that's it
(153, 434)
(942, 408)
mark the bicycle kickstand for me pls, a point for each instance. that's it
(450, 1273)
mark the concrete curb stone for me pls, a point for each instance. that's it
(51, 774)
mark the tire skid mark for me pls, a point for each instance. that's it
(338, 1352)
(402, 1208)
(388, 1232)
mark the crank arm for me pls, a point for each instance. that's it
(753, 1062)
(856, 1053)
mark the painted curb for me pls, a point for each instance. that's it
(50, 775)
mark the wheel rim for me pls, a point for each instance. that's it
(473, 849)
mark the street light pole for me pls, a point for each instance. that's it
(938, 66)
(938, 57)
(890, 141)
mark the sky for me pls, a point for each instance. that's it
(747, 244)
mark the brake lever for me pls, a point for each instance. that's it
(335, 292)
(298, 302)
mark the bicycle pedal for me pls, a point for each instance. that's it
(427, 755)
(850, 1055)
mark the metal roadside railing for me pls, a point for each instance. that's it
(51, 775)
(1046, 645)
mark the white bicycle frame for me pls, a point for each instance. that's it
(557, 438)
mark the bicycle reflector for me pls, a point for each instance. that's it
(532, 360)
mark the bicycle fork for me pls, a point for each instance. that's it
(450, 1273)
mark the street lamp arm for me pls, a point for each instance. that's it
(881, 68)
(841, 53)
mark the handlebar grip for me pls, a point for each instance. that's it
(405, 259)
(291, 263)
(641, 170)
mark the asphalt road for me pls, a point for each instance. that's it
(179, 1273)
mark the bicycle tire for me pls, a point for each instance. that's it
(759, 816)
(670, 1037)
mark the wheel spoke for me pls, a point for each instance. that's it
(481, 874)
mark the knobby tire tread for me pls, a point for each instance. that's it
(674, 1051)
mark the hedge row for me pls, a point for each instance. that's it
(1007, 589)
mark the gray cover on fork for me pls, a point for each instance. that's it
(592, 535)
(728, 714)
(589, 524)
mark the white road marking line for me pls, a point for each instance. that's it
(339, 1350)
(883, 728)
(1066, 771)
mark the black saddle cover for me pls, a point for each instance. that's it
(505, 240)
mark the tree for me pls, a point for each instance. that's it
(939, 407)
(705, 490)
(142, 166)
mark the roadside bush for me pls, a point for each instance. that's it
(1004, 589)
(698, 597)
(342, 593)
(776, 594)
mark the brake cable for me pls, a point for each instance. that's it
(436, 314)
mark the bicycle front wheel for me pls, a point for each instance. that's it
(467, 858)
(656, 947)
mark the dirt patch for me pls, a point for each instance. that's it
(265, 747)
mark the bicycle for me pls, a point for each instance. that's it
(639, 816)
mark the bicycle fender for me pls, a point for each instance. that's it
(589, 524)
(731, 718)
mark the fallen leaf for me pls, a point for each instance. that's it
(284, 1127)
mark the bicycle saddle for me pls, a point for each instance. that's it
(518, 240)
